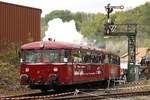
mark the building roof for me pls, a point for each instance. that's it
(11, 4)
(140, 52)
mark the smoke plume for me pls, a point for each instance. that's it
(63, 31)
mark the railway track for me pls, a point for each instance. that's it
(102, 96)
(35, 96)
(86, 94)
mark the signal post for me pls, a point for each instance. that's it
(129, 30)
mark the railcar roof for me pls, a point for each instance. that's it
(48, 45)
(56, 45)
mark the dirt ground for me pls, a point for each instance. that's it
(132, 98)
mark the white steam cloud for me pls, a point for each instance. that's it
(63, 31)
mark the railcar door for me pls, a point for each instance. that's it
(65, 66)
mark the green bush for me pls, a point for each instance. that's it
(10, 54)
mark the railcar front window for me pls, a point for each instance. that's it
(39, 56)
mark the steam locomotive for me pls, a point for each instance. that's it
(54, 65)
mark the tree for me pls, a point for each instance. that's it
(91, 25)
(65, 15)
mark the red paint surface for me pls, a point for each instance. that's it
(68, 73)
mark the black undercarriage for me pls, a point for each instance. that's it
(69, 87)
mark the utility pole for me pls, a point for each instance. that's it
(129, 30)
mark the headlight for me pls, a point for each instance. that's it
(55, 69)
(27, 69)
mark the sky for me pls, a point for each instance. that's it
(89, 6)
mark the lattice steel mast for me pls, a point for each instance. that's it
(129, 30)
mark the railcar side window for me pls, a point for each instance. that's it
(106, 58)
(65, 55)
(102, 57)
(77, 56)
(88, 57)
(118, 60)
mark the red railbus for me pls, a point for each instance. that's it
(52, 65)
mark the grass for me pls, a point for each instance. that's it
(9, 75)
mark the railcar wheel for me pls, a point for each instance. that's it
(44, 90)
